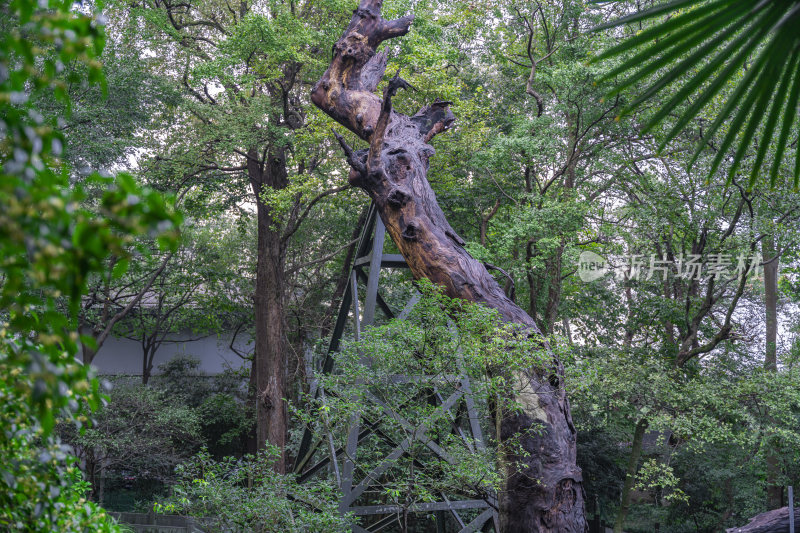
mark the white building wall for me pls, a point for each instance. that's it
(124, 356)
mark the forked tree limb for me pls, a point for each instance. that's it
(543, 490)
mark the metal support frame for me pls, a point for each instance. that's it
(369, 256)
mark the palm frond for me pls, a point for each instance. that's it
(702, 48)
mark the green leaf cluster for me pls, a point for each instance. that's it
(51, 240)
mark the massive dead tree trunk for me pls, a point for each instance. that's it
(545, 493)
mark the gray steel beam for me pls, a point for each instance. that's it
(387, 261)
(374, 273)
(478, 522)
(428, 507)
(381, 302)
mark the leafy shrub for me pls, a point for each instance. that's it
(219, 402)
(246, 495)
(141, 431)
(399, 376)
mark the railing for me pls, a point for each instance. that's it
(153, 523)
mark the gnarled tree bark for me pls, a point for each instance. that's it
(545, 494)
(775, 521)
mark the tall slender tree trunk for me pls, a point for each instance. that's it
(147, 364)
(101, 484)
(91, 468)
(87, 352)
(630, 474)
(543, 488)
(150, 346)
(553, 272)
(774, 489)
(554, 264)
(268, 374)
(551, 278)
